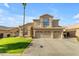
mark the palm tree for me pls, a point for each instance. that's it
(24, 7)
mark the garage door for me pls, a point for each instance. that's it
(56, 34)
(37, 34)
(44, 34)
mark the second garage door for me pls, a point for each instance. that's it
(56, 34)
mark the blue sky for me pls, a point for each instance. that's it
(11, 14)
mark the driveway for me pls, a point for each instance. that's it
(53, 47)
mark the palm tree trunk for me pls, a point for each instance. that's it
(23, 21)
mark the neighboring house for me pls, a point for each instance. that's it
(44, 27)
(8, 31)
(71, 31)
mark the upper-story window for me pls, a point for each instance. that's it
(46, 22)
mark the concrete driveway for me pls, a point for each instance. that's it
(53, 47)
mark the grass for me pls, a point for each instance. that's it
(14, 44)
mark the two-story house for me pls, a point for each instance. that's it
(47, 27)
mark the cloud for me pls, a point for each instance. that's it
(17, 20)
(6, 5)
(76, 16)
(13, 20)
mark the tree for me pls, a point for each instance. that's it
(24, 7)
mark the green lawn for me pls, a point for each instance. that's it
(14, 44)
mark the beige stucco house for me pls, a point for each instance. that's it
(47, 27)
(8, 32)
(44, 27)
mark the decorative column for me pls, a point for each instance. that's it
(61, 35)
(4, 35)
(29, 33)
(20, 31)
(52, 34)
(34, 33)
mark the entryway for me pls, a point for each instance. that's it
(70, 34)
(8, 35)
(1, 35)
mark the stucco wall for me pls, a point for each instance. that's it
(77, 32)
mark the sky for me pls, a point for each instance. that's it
(11, 14)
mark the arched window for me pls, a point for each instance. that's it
(46, 22)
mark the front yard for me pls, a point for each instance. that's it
(14, 45)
